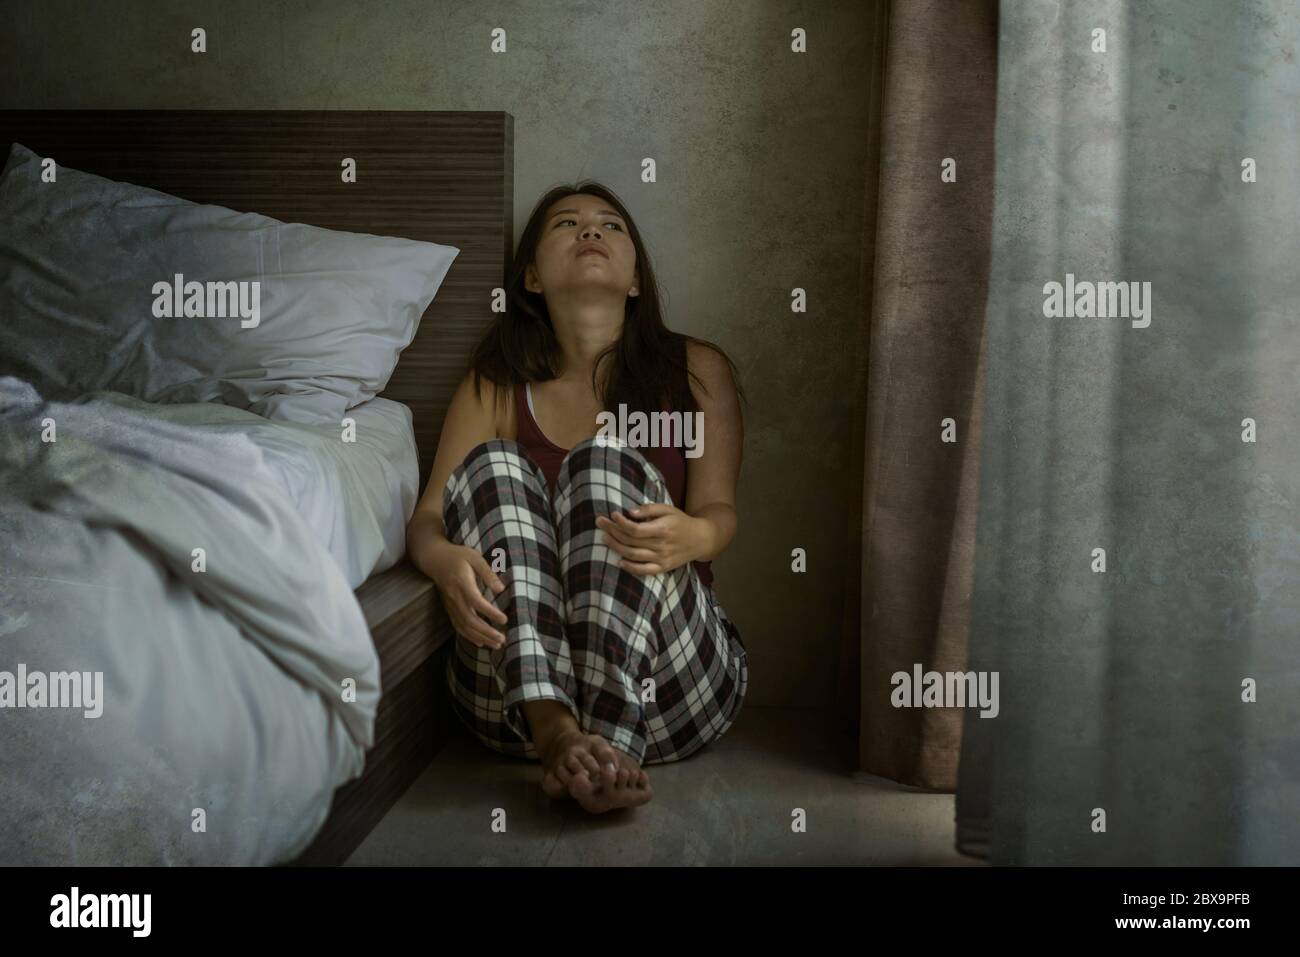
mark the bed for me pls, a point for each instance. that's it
(436, 177)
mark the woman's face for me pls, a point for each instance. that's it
(576, 230)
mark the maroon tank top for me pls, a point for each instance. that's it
(671, 462)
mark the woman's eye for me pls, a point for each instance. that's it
(611, 223)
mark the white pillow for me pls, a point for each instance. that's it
(312, 326)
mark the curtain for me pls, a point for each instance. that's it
(1137, 572)
(926, 262)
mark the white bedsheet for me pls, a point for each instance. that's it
(356, 496)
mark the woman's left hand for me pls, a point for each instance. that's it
(658, 538)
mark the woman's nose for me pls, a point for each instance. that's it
(590, 232)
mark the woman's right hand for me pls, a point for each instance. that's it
(461, 574)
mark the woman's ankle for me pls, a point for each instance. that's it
(547, 719)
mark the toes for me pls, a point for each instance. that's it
(583, 764)
(584, 792)
(580, 788)
(580, 784)
(601, 778)
(609, 776)
(636, 778)
(578, 758)
(605, 753)
(553, 787)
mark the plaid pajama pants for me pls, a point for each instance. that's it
(651, 663)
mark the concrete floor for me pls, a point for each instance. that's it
(729, 804)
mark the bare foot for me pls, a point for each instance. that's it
(566, 754)
(598, 776)
(621, 782)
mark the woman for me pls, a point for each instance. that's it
(573, 565)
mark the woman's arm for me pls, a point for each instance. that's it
(711, 478)
(660, 537)
(470, 420)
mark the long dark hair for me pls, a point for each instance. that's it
(649, 369)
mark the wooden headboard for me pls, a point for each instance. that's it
(445, 177)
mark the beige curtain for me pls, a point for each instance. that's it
(1137, 580)
(925, 283)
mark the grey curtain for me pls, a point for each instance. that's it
(927, 263)
(1122, 690)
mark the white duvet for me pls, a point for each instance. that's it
(234, 699)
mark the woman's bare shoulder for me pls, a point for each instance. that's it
(490, 402)
(708, 362)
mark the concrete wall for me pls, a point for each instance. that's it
(761, 158)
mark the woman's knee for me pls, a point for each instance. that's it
(498, 460)
(497, 450)
(636, 477)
